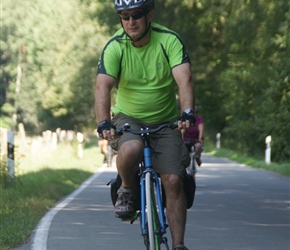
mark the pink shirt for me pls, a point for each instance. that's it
(192, 133)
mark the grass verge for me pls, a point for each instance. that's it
(259, 162)
(43, 177)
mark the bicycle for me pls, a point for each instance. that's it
(152, 216)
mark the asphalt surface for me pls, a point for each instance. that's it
(236, 208)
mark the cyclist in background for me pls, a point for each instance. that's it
(194, 136)
(145, 61)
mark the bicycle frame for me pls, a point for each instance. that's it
(148, 168)
(152, 219)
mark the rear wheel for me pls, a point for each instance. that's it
(153, 223)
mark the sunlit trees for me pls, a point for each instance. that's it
(239, 52)
(58, 45)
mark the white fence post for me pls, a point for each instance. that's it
(69, 135)
(10, 154)
(80, 139)
(54, 140)
(268, 149)
(218, 140)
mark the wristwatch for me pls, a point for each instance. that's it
(188, 111)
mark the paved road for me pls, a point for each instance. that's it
(236, 208)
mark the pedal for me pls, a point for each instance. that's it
(165, 242)
(131, 219)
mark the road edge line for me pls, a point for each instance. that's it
(39, 241)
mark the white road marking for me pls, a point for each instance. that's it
(39, 241)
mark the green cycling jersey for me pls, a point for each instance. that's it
(146, 87)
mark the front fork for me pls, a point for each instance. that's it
(148, 168)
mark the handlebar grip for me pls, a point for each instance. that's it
(173, 125)
(118, 131)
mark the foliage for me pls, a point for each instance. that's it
(241, 70)
(256, 85)
(239, 52)
(3, 172)
(57, 46)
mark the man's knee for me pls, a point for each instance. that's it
(131, 149)
(172, 183)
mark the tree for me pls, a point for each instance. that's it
(61, 45)
(239, 52)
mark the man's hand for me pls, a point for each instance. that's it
(106, 130)
(186, 120)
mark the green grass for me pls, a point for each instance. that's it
(43, 177)
(257, 162)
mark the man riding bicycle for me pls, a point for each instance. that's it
(145, 61)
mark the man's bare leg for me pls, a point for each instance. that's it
(128, 158)
(175, 207)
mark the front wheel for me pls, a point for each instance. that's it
(152, 216)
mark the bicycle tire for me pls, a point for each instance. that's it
(152, 215)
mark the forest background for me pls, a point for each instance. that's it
(239, 52)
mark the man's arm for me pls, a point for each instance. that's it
(104, 84)
(183, 77)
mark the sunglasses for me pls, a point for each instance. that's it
(135, 16)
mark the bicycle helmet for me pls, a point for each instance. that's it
(146, 5)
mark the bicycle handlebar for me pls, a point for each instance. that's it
(147, 131)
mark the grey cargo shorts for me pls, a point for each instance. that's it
(169, 153)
